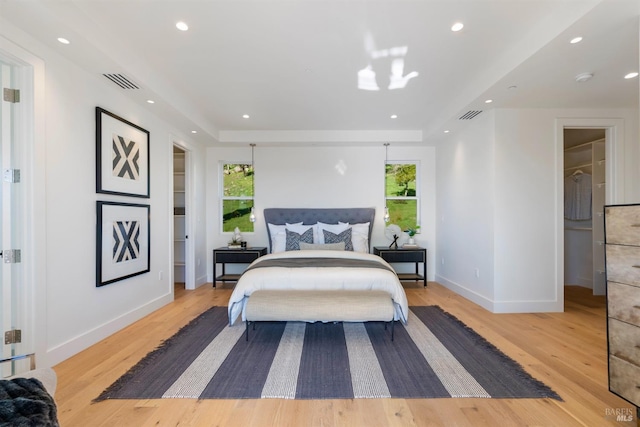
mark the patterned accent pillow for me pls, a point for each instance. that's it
(345, 237)
(294, 239)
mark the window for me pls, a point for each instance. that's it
(237, 196)
(401, 194)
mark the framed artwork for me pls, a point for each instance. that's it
(122, 156)
(123, 241)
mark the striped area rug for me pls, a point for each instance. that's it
(433, 356)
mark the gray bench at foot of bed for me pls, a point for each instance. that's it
(319, 306)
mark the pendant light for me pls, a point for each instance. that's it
(386, 217)
(252, 216)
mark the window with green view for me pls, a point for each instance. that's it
(401, 194)
(237, 196)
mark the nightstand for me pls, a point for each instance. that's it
(233, 256)
(413, 255)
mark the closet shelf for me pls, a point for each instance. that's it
(586, 144)
(586, 165)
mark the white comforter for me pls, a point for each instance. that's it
(315, 278)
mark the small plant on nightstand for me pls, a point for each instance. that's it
(411, 231)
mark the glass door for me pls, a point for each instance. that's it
(12, 295)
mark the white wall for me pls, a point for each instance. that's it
(529, 190)
(465, 214)
(320, 177)
(527, 202)
(73, 312)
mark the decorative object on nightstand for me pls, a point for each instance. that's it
(236, 240)
(394, 233)
(416, 255)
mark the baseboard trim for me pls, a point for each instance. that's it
(540, 306)
(472, 296)
(81, 342)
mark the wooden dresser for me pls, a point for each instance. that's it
(622, 238)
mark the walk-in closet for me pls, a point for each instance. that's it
(584, 199)
(179, 231)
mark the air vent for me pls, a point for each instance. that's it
(122, 81)
(470, 114)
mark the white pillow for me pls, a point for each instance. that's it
(334, 228)
(279, 237)
(359, 236)
(323, 247)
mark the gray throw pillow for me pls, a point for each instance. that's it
(345, 237)
(294, 239)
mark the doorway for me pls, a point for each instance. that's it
(15, 297)
(613, 183)
(584, 200)
(183, 265)
(179, 219)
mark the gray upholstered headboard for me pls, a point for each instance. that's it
(310, 216)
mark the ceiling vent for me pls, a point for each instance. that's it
(122, 81)
(470, 114)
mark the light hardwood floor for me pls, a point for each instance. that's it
(568, 351)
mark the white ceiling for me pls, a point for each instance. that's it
(292, 65)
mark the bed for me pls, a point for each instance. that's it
(318, 250)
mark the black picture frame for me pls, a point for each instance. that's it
(123, 241)
(122, 156)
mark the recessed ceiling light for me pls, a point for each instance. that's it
(631, 75)
(151, 101)
(575, 40)
(394, 116)
(446, 131)
(245, 116)
(488, 101)
(457, 26)
(182, 26)
(63, 40)
(194, 131)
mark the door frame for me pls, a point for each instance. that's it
(30, 75)
(614, 172)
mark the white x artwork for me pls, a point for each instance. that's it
(125, 155)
